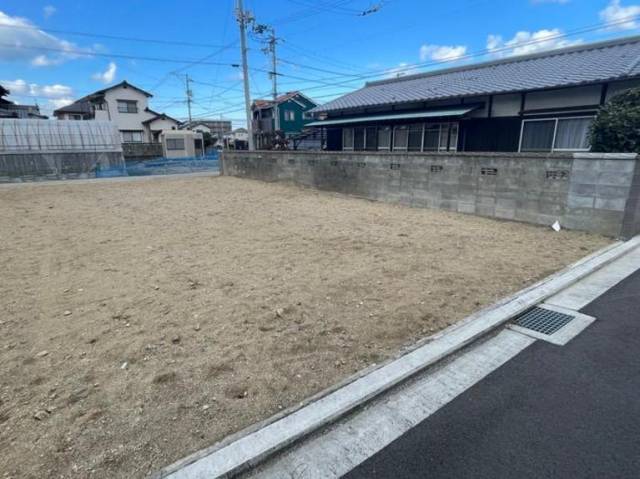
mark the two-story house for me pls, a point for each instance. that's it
(127, 106)
(216, 128)
(288, 114)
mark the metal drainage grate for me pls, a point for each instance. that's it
(542, 320)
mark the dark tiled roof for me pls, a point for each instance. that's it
(80, 106)
(584, 64)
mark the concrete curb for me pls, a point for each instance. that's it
(252, 446)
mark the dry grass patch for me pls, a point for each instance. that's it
(142, 321)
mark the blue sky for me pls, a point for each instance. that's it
(54, 51)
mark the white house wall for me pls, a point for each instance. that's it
(128, 121)
(563, 98)
(506, 105)
(161, 124)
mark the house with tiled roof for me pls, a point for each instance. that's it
(288, 114)
(541, 102)
(127, 106)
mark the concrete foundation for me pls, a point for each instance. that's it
(593, 192)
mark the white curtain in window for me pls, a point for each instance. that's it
(573, 133)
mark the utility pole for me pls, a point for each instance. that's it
(274, 76)
(189, 96)
(242, 18)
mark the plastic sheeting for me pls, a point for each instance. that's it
(43, 136)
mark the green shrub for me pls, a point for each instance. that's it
(617, 125)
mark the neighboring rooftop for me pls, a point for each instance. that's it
(83, 105)
(578, 65)
(261, 103)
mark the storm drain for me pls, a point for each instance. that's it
(542, 320)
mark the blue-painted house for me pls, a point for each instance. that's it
(288, 113)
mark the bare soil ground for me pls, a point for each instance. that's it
(142, 321)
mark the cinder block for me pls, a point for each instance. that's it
(464, 207)
(576, 201)
(614, 204)
(615, 179)
(582, 189)
(618, 166)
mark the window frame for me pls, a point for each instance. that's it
(400, 148)
(389, 130)
(350, 148)
(128, 103)
(132, 132)
(289, 115)
(556, 120)
(174, 140)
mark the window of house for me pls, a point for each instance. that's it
(573, 134)
(552, 134)
(431, 137)
(444, 137)
(347, 138)
(400, 137)
(306, 115)
(384, 138)
(453, 137)
(127, 106)
(289, 115)
(358, 139)
(371, 138)
(75, 117)
(415, 137)
(175, 143)
(537, 135)
(131, 136)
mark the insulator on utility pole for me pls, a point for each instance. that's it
(242, 18)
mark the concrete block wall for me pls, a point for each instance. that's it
(598, 193)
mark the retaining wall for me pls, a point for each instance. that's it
(592, 192)
(18, 167)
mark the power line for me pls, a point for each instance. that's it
(112, 37)
(80, 53)
(385, 72)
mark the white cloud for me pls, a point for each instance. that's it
(22, 88)
(442, 52)
(525, 42)
(59, 103)
(48, 11)
(625, 18)
(108, 75)
(17, 32)
(55, 95)
(401, 70)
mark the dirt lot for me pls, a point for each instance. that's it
(141, 321)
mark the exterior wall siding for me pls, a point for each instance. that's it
(599, 193)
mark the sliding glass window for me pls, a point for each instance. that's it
(415, 137)
(556, 134)
(400, 138)
(371, 138)
(347, 138)
(384, 138)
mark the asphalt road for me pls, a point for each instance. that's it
(568, 411)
